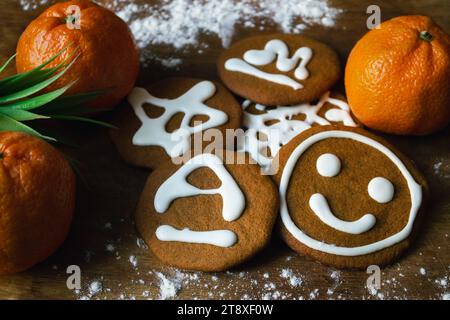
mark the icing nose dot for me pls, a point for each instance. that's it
(381, 190)
(328, 165)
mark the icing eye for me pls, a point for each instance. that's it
(328, 165)
(381, 190)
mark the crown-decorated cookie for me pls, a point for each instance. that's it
(279, 69)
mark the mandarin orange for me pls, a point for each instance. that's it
(37, 200)
(108, 57)
(397, 77)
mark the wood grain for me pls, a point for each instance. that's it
(109, 191)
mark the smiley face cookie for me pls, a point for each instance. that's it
(279, 69)
(207, 215)
(270, 128)
(159, 123)
(347, 198)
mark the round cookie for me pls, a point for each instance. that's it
(158, 124)
(270, 128)
(206, 215)
(279, 69)
(347, 198)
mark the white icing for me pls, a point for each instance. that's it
(259, 107)
(236, 64)
(274, 49)
(319, 205)
(219, 238)
(153, 130)
(328, 165)
(381, 190)
(340, 115)
(176, 186)
(280, 133)
(246, 103)
(277, 49)
(414, 188)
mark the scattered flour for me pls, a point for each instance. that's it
(446, 296)
(95, 287)
(423, 271)
(442, 282)
(168, 288)
(314, 294)
(294, 281)
(133, 260)
(169, 63)
(141, 243)
(372, 291)
(437, 166)
(335, 275)
(32, 4)
(180, 23)
(442, 169)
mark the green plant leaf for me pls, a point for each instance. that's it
(33, 77)
(73, 105)
(25, 80)
(83, 119)
(21, 115)
(36, 88)
(37, 101)
(19, 95)
(2, 68)
(9, 124)
(17, 82)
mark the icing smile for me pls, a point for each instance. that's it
(319, 205)
(379, 189)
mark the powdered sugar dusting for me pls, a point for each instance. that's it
(294, 281)
(168, 288)
(32, 4)
(181, 23)
(95, 287)
(441, 168)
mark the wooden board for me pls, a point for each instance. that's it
(104, 243)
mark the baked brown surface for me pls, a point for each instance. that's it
(347, 197)
(115, 186)
(170, 88)
(324, 70)
(204, 212)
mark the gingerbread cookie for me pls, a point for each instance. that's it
(347, 198)
(279, 69)
(270, 128)
(159, 124)
(207, 215)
